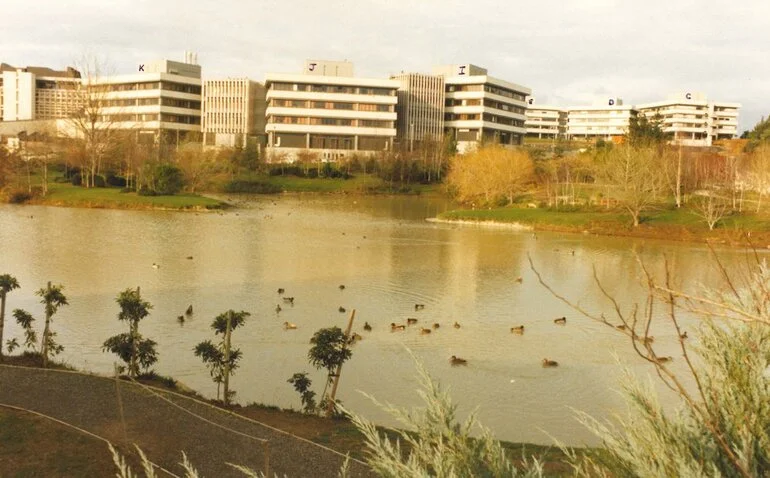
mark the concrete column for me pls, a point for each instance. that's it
(355, 143)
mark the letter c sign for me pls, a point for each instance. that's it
(611, 102)
(688, 96)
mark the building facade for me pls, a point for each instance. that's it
(482, 109)
(37, 93)
(162, 104)
(545, 122)
(420, 108)
(233, 112)
(332, 116)
(607, 120)
(691, 120)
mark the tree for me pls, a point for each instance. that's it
(302, 384)
(131, 347)
(169, 179)
(7, 284)
(490, 173)
(329, 351)
(644, 131)
(760, 170)
(93, 124)
(24, 319)
(221, 359)
(52, 299)
(711, 208)
(633, 173)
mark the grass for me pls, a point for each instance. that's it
(32, 446)
(664, 223)
(63, 194)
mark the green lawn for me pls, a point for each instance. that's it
(358, 184)
(62, 194)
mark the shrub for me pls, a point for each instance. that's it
(126, 190)
(19, 197)
(99, 182)
(76, 179)
(115, 181)
(251, 186)
(146, 192)
(169, 179)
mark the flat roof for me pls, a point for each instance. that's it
(331, 80)
(476, 79)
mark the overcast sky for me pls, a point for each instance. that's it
(567, 52)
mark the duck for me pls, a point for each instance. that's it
(289, 326)
(550, 363)
(560, 321)
(683, 335)
(189, 258)
(664, 359)
(367, 327)
(518, 330)
(457, 326)
(519, 280)
(419, 306)
(189, 310)
(342, 286)
(411, 321)
(341, 309)
(436, 325)
(289, 300)
(457, 360)
(354, 338)
(155, 266)
(648, 340)
(180, 319)
(424, 331)
(394, 327)
(621, 327)
(278, 308)
(281, 290)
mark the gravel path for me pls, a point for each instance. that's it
(162, 429)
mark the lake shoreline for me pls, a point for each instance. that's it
(606, 224)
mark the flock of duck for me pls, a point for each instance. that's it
(454, 360)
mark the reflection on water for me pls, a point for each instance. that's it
(389, 258)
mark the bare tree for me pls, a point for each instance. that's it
(760, 171)
(634, 174)
(711, 208)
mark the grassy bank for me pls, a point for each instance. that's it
(63, 194)
(69, 453)
(672, 224)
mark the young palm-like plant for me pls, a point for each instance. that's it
(7, 284)
(52, 299)
(134, 350)
(24, 319)
(221, 359)
(329, 351)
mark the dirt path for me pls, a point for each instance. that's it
(165, 428)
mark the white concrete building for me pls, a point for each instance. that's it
(37, 93)
(545, 122)
(334, 116)
(692, 120)
(233, 111)
(162, 103)
(606, 119)
(481, 108)
(420, 108)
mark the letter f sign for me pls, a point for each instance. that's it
(312, 66)
(141, 67)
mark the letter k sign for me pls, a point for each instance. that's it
(141, 67)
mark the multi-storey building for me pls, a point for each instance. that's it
(162, 104)
(334, 116)
(691, 120)
(233, 111)
(480, 108)
(420, 108)
(608, 119)
(545, 121)
(37, 93)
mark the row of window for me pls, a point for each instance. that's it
(495, 90)
(361, 123)
(503, 120)
(353, 90)
(320, 141)
(330, 105)
(151, 85)
(195, 120)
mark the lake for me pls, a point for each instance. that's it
(389, 258)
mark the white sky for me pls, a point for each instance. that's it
(568, 52)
